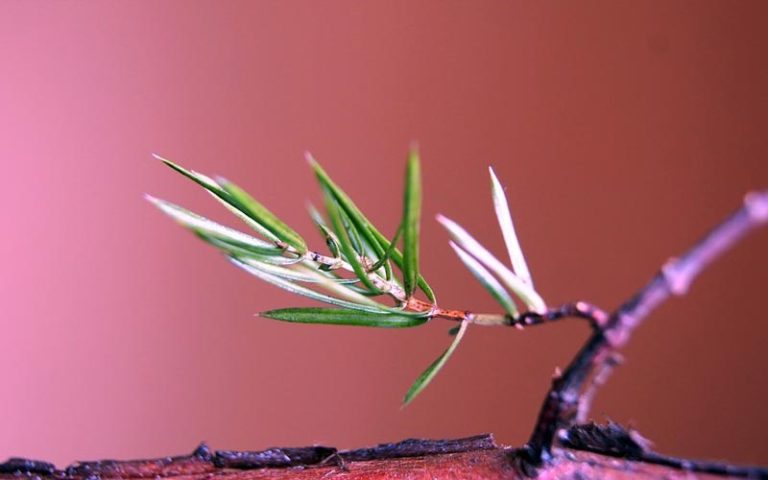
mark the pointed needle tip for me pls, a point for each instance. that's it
(494, 178)
(444, 221)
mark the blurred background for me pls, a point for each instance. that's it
(623, 131)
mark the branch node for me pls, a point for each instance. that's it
(756, 204)
(597, 357)
(675, 276)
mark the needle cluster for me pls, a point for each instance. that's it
(369, 279)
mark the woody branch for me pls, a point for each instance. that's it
(563, 404)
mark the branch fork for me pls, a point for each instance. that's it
(570, 397)
(360, 271)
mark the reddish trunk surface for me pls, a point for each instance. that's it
(489, 463)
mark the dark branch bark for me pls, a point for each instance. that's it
(595, 315)
(563, 405)
(599, 452)
(614, 440)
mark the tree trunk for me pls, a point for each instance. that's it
(472, 458)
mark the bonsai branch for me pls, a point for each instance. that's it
(569, 397)
(359, 278)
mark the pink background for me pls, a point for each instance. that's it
(623, 131)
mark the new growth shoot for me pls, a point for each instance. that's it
(372, 280)
(369, 279)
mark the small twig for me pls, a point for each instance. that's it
(318, 260)
(707, 467)
(596, 316)
(562, 405)
(584, 310)
(616, 441)
(600, 378)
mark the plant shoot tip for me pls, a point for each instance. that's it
(443, 220)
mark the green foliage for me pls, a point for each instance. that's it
(428, 374)
(258, 213)
(358, 228)
(516, 257)
(344, 297)
(410, 224)
(487, 280)
(349, 241)
(368, 231)
(390, 249)
(508, 278)
(336, 316)
(358, 276)
(223, 237)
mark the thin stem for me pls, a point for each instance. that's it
(388, 287)
(561, 406)
(595, 315)
(600, 378)
(584, 310)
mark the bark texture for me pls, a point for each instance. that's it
(471, 458)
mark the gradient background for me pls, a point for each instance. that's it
(622, 130)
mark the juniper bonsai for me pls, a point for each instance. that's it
(375, 280)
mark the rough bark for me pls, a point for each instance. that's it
(477, 457)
